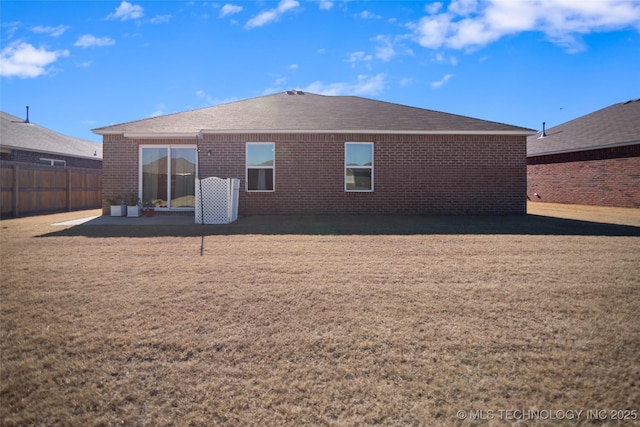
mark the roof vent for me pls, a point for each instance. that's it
(27, 120)
(544, 131)
(299, 92)
(295, 92)
(291, 92)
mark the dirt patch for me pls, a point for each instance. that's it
(304, 329)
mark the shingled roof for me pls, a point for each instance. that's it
(17, 134)
(614, 126)
(296, 111)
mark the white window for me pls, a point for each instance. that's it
(52, 162)
(168, 176)
(358, 166)
(260, 166)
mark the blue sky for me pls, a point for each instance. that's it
(87, 64)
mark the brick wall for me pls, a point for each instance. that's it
(606, 177)
(413, 174)
(34, 157)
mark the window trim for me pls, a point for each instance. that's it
(247, 167)
(52, 162)
(359, 167)
(168, 147)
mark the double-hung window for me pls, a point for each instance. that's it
(358, 166)
(260, 166)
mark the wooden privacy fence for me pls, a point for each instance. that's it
(30, 189)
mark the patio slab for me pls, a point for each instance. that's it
(158, 219)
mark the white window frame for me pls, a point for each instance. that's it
(168, 147)
(52, 162)
(247, 167)
(359, 167)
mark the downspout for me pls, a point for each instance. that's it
(200, 192)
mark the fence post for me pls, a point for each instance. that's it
(68, 189)
(16, 189)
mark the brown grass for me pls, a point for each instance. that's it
(294, 330)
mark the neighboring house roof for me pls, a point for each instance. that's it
(614, 126)
(16, 134)
(296, 111)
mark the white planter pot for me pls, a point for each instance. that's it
(133, 211)
(118, 210)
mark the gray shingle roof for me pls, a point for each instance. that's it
(616, 125)
(306, 112)
(16, 134)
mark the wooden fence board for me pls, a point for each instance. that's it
(29, 189)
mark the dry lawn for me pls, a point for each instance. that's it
(329, 330)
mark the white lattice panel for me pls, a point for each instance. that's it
(218, 200)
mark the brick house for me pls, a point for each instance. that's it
(26, 142)
(302, 153)
(592, 160)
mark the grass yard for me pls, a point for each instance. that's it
(329, 330)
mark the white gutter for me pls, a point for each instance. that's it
(181, 135)
(169, 135)
(371, 131)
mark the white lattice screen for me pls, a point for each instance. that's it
(219, 199)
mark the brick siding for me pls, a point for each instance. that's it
(413, 174)
(34, 157)
(605, 177)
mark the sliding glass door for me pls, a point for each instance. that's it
(167, 176)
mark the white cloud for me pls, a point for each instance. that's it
(432, 8)
(325, 4)
(432, 32)
(442, 81)
(385, 50)
(442, 58)
(294, 66)
(365, 85)
(160, 110)
(52, 31)
(229, 9)
(270, 15)
(160, 19)
(469, 24)
(365, 14)
(355, 57)
(10, 28)
(463, 7)
(25, 61)
(89, 40)
(127, 11)
(205, 97)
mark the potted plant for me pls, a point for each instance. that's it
(148, 208)
(133, 207)
(118, 208)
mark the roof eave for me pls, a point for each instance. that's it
(522, 132)
(575, 150)
(183, 135)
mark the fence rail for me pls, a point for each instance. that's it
(31, 189)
